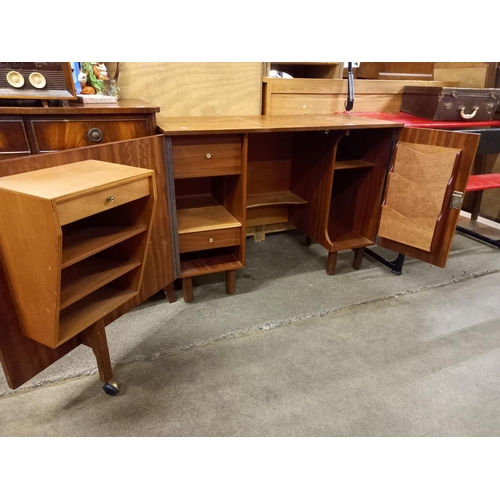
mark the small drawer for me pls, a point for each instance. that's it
(85, 205)
(56, 135)
(205, 156)
(204, 240)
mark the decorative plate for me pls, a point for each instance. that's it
(15, 79)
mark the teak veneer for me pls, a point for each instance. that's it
(332, 177)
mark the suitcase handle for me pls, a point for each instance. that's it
(466, 116)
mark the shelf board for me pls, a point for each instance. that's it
(90, 275)
(92, 308)
(195, 213)
(275, 198)
(209, 264)
(344, 238)
(86, 242)
(343, 165)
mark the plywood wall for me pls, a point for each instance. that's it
(197, 89)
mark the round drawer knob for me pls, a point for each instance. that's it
(210, 240)
(95, 134)
(208, 155)
(111, 199)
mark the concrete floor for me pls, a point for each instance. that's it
(294, 352)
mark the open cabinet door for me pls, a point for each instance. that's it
(21, 357)
(424, 193)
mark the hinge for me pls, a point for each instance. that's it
(456, 200)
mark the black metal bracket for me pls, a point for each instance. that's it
(473, 234)
(396, 266)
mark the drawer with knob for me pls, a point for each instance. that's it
(75, 208)
(205, 240)
(206, 156)
(58, 134)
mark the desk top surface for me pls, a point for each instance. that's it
(185, 125)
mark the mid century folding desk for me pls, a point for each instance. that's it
(345, 181)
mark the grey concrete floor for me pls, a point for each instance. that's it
(294, 352)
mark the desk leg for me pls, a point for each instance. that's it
(170, 293)
(230, 282)
(95, 338)
(331, 263)
(187, 289)
(358, 258)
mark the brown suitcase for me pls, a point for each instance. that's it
(450, 103)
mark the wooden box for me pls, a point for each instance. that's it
(450, 103)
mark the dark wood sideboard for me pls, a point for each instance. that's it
(26, 130)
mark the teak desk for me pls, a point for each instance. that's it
(345, 181)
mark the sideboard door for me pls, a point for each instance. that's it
(21, 357)
(424, 191)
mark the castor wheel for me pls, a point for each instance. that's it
(110, 388)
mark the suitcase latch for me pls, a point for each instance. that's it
(456, 200)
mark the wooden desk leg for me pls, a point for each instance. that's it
(358, 258)
(230, 282)
(95, 338)
(308, 241)
(170, 293)
(187, 289)
(331, 263)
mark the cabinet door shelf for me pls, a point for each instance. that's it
(275, 198)
(86, 277)
(90, 309)
(86, 229)
(89, 241)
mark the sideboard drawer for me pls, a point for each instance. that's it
(71, 209)
(55, 135)
(13, 138)
(204, 240)
(206, 156)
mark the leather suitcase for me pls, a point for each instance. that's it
(450, 103)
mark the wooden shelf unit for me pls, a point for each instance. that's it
(210, 189)
(81, 252)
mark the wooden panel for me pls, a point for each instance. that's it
(396, 70)
(206, 156)
(194, 88)
(262, 216)
(415, 193)
(13, 138)
(23, 358)
(305, 96)
(466, 74)
(204, 240)
(33, 269)
(445, 227)
(56, 135)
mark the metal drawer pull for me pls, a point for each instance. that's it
(111, 199)
(208, 156)
(466, 116)
(95, 134)
(210, 240)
